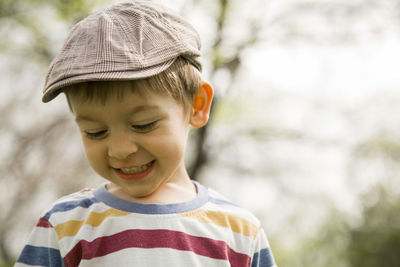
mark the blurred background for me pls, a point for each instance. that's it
(304, 130)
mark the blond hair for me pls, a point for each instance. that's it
(180, 81)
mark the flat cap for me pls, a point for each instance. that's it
(125, 41)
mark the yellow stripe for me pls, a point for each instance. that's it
(94, 219)
(234, 222)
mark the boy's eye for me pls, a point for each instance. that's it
(96, 135)
(144, 127)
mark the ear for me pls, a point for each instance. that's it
(201, 105)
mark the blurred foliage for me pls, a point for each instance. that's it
(376, 240)
(6, 264)
(74, 11)
(30, 18)
(373, 241)
(324, 249)
(69, 11)
(381, 146)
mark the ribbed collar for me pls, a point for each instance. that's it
(109, 199)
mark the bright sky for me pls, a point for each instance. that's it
(348, 71)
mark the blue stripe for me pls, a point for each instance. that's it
(66, 206)
(263, 258)
(106, 197)
(41, 256)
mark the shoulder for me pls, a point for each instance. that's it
(220, 211)
(243, 222)
(223, 203)
(78, 202)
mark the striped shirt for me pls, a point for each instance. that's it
(95, 228)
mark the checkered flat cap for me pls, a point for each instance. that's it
(126, 41)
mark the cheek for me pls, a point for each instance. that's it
(94, 154)
(169, 145)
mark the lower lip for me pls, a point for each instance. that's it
(134, 176)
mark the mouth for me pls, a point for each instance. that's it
(136, 169)
(135, 173)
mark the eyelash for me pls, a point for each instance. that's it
(139, 128)
(144, 127)
(96, 135)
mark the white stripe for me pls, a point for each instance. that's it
(19, 264)
(78, 213)
(75, 196)
(43, 237)
(154, 257)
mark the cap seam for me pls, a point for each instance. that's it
(116, 20)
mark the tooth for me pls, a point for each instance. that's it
(135, 169)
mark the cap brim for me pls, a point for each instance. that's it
(55, 89)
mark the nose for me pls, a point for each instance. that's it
(121, 145)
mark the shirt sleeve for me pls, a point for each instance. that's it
(262, 254)
(42, 247)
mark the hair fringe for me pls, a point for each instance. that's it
(180, 81)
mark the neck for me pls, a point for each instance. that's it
(168, 193)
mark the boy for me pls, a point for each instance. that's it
(131, 76)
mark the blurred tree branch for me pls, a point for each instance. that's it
(220, 61)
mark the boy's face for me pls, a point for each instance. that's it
(137, 142)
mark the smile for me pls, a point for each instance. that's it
(136, 169)
(135, 173)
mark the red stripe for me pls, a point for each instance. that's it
(44, 223)
(102, 246)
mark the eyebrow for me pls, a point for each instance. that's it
(84, 118)
(133, 111)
